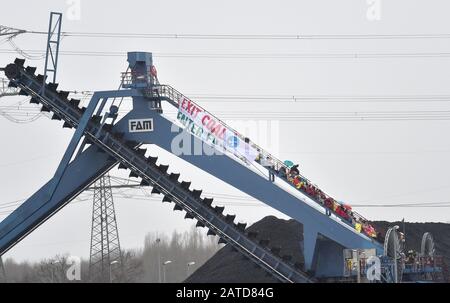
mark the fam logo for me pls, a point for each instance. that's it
(140, 125)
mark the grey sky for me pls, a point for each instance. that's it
(358, 162)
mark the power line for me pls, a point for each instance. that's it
(39, 54)
(402, 206)
(211, 98)
(293, 114)
(24, 53)
(340, 115)
(253, 201)
(249, 202)
(325, 98)
(10, 32)
(25, 161)
(13, 117)
(244, 201)
(437, 115)
(198, 36)
(237, 201)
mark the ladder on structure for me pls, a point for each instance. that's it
(131, 156)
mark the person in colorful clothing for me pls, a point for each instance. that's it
(342, 210)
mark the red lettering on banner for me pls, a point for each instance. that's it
(210, 125)
(203, 125)
(189, 108)
(218, 130)
(205, 119)
(215, 128)
(197, 110)
(183, 103)
(222, 134)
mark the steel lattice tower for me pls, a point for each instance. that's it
(105, 257)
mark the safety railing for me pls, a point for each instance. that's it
(156, 175)
(423, 264)
(126, 78)
(172, 94)
(132, 77)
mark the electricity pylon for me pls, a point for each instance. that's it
(6, 90)
(105, 263)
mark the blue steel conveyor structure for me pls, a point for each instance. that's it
(100, 143)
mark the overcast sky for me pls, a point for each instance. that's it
(359, 162)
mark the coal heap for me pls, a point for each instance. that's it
(415, 231)
(228, 266)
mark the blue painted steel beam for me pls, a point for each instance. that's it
(323, 237)
(68, 154)
(80, 173)
(228, 170)
(84, 170)
(91, 165)
(52, 55)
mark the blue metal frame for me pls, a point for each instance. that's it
(79, 132)
(324, 237)
(70, 180)
(51, 57)
(328, 235)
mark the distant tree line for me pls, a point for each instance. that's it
(163, 258)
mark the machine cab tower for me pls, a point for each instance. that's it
(141, 75)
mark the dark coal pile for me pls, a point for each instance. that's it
(415, 231)
(227, 266)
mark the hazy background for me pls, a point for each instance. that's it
(360, 162)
